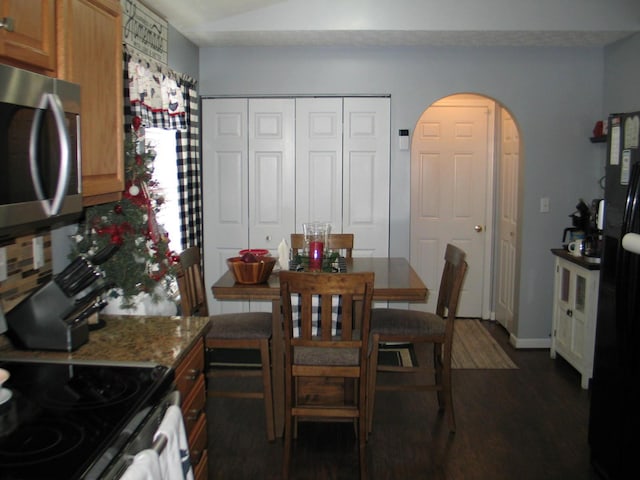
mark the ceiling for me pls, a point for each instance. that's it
(210, 23)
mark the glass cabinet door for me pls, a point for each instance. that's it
(580, 293)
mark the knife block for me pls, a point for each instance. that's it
(42, 321)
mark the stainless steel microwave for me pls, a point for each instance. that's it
(40, 160)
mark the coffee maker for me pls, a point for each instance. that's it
(581, 221)
(587, 226)
(593, 238)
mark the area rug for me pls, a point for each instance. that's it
(473, 348)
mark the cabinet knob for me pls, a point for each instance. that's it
(6, 23)
(569, 313)
(478, 228)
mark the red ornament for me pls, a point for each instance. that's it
(138, 159)
(116, 239)
(118, 209)
(136, 122)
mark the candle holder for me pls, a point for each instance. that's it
(316, 236)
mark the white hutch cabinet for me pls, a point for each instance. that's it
(574, 312)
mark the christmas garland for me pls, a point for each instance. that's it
(143, 260)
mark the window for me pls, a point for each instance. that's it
(165, 173)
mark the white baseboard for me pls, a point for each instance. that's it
(529, 342)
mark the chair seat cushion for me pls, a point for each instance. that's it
(251, 325)
(396, 321)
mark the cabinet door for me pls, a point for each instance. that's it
(90, 53)
(226, 188)
(579, 314)
(31, 40)
(365, 168)
(319, 162)
(563, 312)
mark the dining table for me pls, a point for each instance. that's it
(395, 281)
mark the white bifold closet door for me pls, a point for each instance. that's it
(342, 168)
(249, 184)
(270, 164)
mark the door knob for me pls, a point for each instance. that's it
(478, 228)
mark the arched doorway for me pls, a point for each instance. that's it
(464, 181)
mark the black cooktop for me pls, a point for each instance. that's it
(58, 419)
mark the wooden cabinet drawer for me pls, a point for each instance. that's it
(190, 369)
(198, 441)
(194, 405)
(201, 471)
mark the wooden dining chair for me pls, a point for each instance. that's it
(326, 336)
(342, 242)
(246, 331)
(412, 326)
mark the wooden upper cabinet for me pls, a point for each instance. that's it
(89, 37)
(27, 37)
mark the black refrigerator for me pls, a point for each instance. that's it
(614, 420)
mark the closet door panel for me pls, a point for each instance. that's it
(319, 161)
(271, 172)
(366, 163)
(225, 192)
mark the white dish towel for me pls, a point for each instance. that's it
(145, 466)
(174, 458)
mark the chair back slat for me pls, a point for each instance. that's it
(193, 298)
(453, 273)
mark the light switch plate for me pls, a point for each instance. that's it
(544, 205)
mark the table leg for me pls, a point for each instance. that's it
(277, 368)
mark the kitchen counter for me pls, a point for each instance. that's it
(127, 339)
(590, 263)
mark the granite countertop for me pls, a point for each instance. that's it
(128, 339)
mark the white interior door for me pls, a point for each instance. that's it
(319, 162)
(225, 196)
(365, 170)
(508, 168)
(450, 175)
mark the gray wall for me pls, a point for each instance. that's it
(183, 54)
(622, 76)
(555, 95)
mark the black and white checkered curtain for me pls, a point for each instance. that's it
(187, 149)
(189, 170)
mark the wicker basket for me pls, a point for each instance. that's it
(251, 273)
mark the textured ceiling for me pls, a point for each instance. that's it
(210, 23)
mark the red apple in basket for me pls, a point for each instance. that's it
(249, 258)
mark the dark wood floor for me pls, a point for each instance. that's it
(523, 424)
